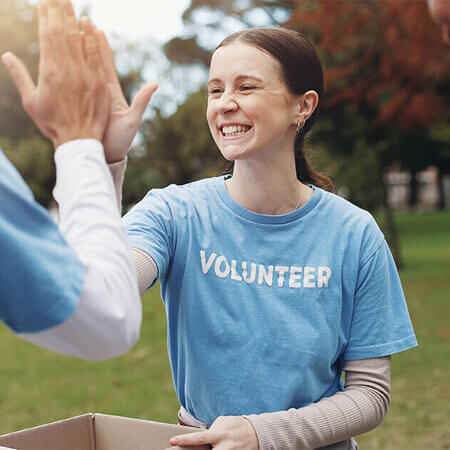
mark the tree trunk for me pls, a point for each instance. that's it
(413, 191)
(441, 191)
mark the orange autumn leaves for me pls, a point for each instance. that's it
(389, 54)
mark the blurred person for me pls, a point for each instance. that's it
(440, 12)
(73, 289)
(273, 285)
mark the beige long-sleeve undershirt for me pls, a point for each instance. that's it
(359, 408)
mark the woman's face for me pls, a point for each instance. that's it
(250, 110)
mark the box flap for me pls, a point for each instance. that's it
(76, 433)
(118, 433)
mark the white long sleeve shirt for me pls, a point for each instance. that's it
(107, 320)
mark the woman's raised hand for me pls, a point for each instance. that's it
(124, 120)
(70, 100)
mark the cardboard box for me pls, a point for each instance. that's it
(96, 432)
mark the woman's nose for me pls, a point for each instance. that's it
(227, 102)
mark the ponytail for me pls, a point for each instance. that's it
(305, 173)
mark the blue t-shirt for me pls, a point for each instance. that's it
(263, 309)
(40, 276)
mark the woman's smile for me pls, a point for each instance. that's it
(232, 131)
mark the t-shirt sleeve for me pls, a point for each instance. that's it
(40, 276)
(149, 227)
(380, 324)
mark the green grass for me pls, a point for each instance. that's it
(38, 386)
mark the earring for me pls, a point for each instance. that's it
(300, 125)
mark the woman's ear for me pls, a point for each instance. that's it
(306, 105)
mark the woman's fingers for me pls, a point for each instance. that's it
(19, 74)
(141, 100)
(199, 438)
(225, 432)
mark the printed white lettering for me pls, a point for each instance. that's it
(206, 265)
(295, 276)
(252, 273)
(323, 275)
(222, 273)
(309, 278)
(281, 271)
(265, 275)
(299, 277)
(234, 275)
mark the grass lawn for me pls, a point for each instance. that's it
(38, 386)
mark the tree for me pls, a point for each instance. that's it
(18, 33)
(204, 20)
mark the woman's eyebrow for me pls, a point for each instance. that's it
(239, 78)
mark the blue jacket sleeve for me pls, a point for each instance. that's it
(40, 276)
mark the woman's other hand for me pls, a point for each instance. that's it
(226, 433)
(70, 100)
(124, 120)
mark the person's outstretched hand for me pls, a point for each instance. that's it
(226, 433)
(124, 120)
(70, 100)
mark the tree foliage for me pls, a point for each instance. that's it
(387, 54)
(241, 10)
(219, 16)
(18, 33)
(387, 74)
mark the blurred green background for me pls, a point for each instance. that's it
(383, 136)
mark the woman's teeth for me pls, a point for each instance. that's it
(234, 130)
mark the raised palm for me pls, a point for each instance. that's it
(124, 120)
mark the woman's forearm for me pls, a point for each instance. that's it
(361, 407)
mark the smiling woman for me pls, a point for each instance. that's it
(273, 286)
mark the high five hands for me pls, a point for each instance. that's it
(71, 99)
(124, 120)
(226, 433)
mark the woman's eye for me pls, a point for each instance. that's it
(247, 87)
(214, 91)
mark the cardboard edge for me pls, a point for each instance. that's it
(27, 433)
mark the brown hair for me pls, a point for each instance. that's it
(302, 71)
